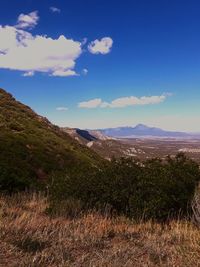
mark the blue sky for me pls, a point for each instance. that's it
(98, 63)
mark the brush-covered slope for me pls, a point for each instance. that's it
(31, 148)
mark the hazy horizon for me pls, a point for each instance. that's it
(128, 125)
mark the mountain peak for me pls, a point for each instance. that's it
(141, 126)
(142, 130)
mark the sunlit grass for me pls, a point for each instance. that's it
(29, 237)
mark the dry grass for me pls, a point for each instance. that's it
(28, 237)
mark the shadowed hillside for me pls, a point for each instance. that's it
(31, 147)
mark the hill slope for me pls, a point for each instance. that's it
(106, 147)
(31, 147)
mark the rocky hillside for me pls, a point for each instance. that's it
(32, 148)
(107, 147)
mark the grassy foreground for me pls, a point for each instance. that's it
(29, 237)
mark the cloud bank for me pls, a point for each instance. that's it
(21, 50)
(123, 102)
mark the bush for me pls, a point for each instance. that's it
(166, 188)
(154, 189)
(13, 180)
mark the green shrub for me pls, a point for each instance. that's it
(154, 189)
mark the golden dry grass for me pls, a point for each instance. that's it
(29, 237)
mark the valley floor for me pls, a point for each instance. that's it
(29, 237)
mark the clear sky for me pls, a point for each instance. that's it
(104, 63)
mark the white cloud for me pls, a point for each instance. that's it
(94, 103)
(27, 20)
(28, 74)
(123, 102)
(133, 101)
(64, 73)
(55, 9)
(102, 46)
(85, 71)
(61, 108)
(20, 50)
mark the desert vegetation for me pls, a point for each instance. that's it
(155, 189)
(63, 205)
(30, 237)
(128, 213)
(31, 147)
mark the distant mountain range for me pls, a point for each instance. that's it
(144, 143)
(142, 130)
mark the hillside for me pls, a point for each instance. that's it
(140, 147)
(32, 148)
(106, 147)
